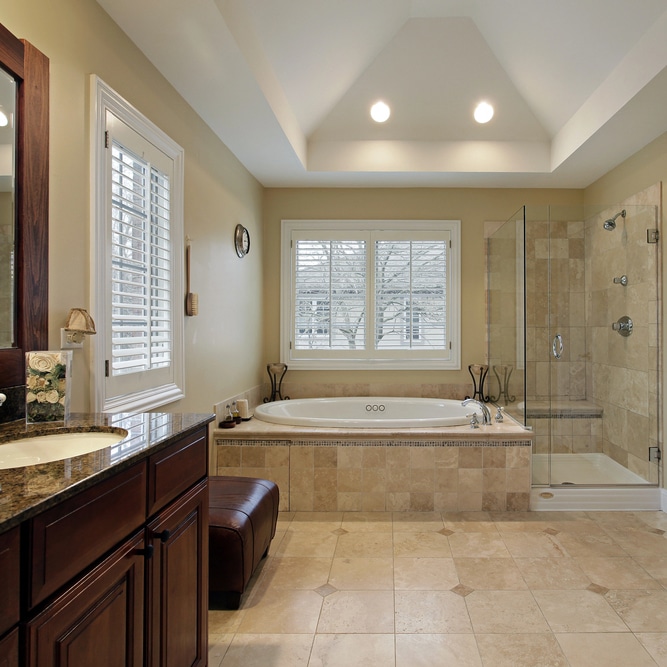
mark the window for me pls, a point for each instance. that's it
(370, 294)
(137, 232)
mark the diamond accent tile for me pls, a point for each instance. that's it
(446, 532)
(551, 531)
(657, 531)
(596, 588)
(326, 589)
(340, 531)
(462, 590)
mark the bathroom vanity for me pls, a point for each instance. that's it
(103, 557)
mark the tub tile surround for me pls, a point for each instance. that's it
(327, 469)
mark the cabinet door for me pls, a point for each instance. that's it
(177, 595)
(9, 649)
(9, 579)
(99, 619)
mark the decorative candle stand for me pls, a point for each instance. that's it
(478, 374)
(504, 383)
(276, 373)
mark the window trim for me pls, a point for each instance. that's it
(103, 99)
(335, 362)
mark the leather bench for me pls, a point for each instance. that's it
(243, 513)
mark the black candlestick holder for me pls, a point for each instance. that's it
(276, 373)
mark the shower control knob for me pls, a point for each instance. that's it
(624, 326)
(623, 280)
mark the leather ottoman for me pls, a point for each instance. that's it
(243, 513)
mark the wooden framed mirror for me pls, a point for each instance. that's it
(30, 70)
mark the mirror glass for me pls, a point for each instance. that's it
(7, 209)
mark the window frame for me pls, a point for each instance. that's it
(159, 391)
(358, 360)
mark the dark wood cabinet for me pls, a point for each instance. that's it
(97, 621)
(9, 649)
(177, 592)
(10, 557)
(116, 575)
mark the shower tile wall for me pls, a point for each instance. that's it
(622, 377)
(555, 303)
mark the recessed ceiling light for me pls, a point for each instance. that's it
(483, 112)
(380, 112)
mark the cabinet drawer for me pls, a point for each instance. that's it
(73, 535)
(9, 579)
(176, 468)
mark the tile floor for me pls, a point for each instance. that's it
(577, 589)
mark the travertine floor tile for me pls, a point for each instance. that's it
(282, 611)
(352, 650)
(467, 589)
(521, 650)
(431, 612)
(364, 545)
(552, 573)
(367, 522)
(656, 645)
(604, 650)
(282, 650)
(429, 650)
(617, 573)
(217, 647)
(578, 611)
(421, 545)
(533, 545)
(643, 611)
(362, 574)
(426, 574)
(347, 612)
(478, 545)
(312, 544)
(297, 573)
(489, 573)
(505, 612)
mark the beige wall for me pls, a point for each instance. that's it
(471, 206)
(223, 343)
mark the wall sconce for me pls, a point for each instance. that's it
(79, 324)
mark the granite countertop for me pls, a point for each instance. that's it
(24, 492)
(256, 429)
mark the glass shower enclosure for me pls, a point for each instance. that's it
(573, 299)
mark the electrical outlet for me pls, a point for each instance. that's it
(654, 454)
(66, 342)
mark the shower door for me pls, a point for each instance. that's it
(596, 390)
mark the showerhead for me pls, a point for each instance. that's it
(611, 223)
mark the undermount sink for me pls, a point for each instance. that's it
(55, 447)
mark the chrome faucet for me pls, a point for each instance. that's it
(486, 415)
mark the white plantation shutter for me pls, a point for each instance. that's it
(370, 294)
(138, 246)
(330, 294)
(141, 281)
(411, 294)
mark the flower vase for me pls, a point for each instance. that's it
(47, 386)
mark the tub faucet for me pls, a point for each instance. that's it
(486, 415)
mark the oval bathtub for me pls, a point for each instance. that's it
(367, 412)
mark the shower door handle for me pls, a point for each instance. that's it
(557, 346)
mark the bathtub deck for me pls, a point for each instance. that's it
(337, 469)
